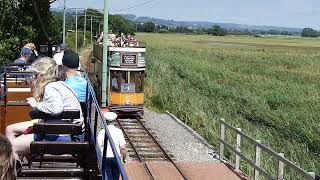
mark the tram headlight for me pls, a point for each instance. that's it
(127, 102)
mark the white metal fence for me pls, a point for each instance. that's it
(258, 170)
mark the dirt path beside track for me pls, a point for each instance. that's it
(85, 58)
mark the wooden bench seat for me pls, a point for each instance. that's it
(55, 158)
(52, 172)
(76, 149)
(67, 114)
(67, 128)
(54, 147)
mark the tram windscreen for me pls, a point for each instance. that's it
(124, 81)
(117, 79)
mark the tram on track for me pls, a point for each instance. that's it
(126, 77)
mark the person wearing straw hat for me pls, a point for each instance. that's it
(119, 142)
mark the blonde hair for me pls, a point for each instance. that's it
(7, 160)
(49, 70)
(30, 46)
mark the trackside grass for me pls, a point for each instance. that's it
(268, 87)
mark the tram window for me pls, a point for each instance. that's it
(115, 59)
(124, 81)
(114, 83)
(141, 56)
(128, 87)
(137, 79)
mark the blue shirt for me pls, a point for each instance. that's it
(79, 85)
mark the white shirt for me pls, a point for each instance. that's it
(117, 137)
(58, 57)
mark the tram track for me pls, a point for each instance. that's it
(143, 145)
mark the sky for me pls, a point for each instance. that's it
(285, 13)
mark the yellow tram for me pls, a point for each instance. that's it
(126, 77)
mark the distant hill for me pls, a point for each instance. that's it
(194, 24)
(206, 24)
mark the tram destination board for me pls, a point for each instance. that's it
(129, 59)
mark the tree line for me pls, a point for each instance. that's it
(309, 32)
(217, 30)
(19, 24)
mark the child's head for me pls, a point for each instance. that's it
(7, 160)
(110, 116)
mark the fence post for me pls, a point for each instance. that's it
(280, 168)
(258, 156)
(222, 129)
(237, 168)
(313, 174)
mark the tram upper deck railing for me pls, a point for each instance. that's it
(258, 169)
(94, 108)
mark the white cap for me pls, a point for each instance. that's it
(110, 116)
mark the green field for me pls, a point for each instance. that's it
(268, 87)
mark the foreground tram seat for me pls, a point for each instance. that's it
(126, 78)
(46, 154)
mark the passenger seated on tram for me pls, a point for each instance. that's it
(49, 96)
(59, 55)
(25, 55)
(77, 83)
(34, 53)
(119, 142)
(114, 83)
(7, 161)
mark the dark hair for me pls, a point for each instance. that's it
(7, 160)
(70, 59)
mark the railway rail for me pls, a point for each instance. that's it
(143, 146)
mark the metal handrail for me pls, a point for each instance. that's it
(101, 156)
(3, 96)
(256, 165)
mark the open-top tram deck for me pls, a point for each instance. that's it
(52, 159)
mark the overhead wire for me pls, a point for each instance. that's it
(135, 6)
(117, 10)
(60, 3)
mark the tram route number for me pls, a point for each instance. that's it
(129, 59)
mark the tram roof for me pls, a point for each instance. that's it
(127, 49)
(127, 69)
